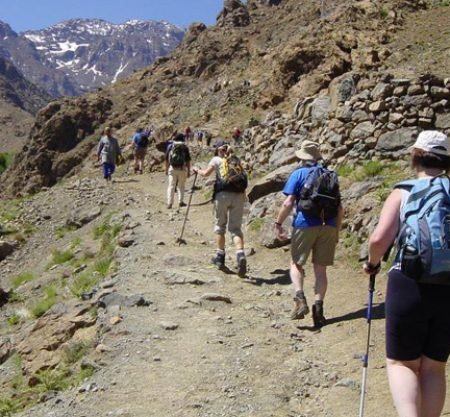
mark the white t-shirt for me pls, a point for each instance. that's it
(216, 162)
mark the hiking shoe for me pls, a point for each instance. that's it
(300, 310)
(183, 204)
(241, 265)
(219, 260)
(318, 317)
(169, 206)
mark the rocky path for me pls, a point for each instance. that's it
(213, 345)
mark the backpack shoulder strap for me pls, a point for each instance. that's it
(405, 185)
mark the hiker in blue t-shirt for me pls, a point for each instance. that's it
(310, 234)
(139, 142)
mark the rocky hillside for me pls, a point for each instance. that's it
(104, 313)
(80, 55)
(19, 101)
(259, 57)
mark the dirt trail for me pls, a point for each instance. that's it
(187, 356)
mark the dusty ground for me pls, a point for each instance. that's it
(187, 356)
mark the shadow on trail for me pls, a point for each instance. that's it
(377, 314)
(124, 180)
(282, 278)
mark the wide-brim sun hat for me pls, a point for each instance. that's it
(309, 151)
(432, 141)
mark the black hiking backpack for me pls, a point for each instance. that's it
(178, 154)
(143, 141)
(320, 196)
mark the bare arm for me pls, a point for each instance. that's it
(387, 228)
(205, 172)
(284, 211)
(339, 217)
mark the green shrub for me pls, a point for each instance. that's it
(15, 297)
(13, 320)
(345, 171)
(372, 168)
(8, 406)
(256, 225)
(61, 231)
(74, 352)
(75, 242)
(102, 266)
(5, 161)
(59, 257)
(21, 279)
(42, 306)
(83, 283)
(83, 374)
(384, 12)
(100, 230)
(53, 380)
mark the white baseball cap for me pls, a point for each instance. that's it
(432, 141)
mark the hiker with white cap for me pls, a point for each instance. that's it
(314, 191)
(417, 215)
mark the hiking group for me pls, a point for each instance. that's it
(415, 217)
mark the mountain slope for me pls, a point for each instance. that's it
(80, 55)
(19, 101)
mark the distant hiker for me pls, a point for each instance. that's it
(208, 138)
(108, 151)
(417, 215)
(315, 227)
(178, 168)
(188, 134)
(140, 143)
(200, 135)
(229, 199)
(236, 135)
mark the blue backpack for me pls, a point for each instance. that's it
(423, 241)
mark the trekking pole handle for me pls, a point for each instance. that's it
(370, 302)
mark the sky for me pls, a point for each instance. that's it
(24, 15)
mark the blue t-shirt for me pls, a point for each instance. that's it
(293, 186)
(137, 139)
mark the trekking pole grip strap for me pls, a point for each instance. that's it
(372, 269)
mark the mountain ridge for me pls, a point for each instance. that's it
(79, 55)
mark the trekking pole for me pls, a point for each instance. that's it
(180, 239)
(366, 355)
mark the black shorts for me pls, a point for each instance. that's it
(417, 319)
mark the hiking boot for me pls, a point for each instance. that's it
(169, 206)
(241, 265)
(300, 310)
(183, 204)
(219, 260)
(318, 317)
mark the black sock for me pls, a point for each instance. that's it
(300, 294)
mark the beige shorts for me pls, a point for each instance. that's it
(139, 153)
(229, 210)
(321, 240)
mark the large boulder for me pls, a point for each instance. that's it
(6, 249)
(234, 14)
(399, 139)
(271, 183)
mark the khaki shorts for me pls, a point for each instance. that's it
(321, 240)
(139, 153)
(229, 210)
